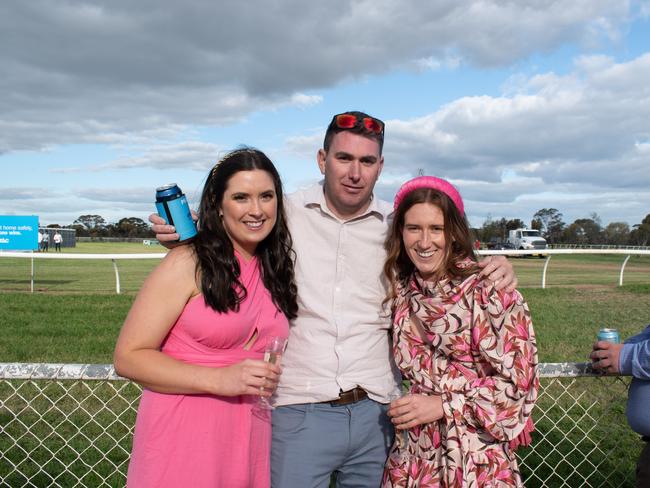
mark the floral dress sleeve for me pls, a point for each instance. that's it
(495, 392)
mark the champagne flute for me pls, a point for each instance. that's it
(401, 435)
(272, 354)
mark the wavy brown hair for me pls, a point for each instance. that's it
(458, 240)
(217, 267)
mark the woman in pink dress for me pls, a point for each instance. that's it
(195, 336)
(467, 350)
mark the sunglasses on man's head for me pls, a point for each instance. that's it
(349, 121)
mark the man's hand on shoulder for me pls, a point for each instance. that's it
(498, 270)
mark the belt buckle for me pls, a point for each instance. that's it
(355, 395)
(350, 396)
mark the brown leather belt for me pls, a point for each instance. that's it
(350, 396)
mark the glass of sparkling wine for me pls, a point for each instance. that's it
(401, 436)
(272, 354)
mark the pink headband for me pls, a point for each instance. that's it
(430, 182)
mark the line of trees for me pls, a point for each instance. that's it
(96, 226)
(549, 222)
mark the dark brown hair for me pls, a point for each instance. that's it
(217, 265)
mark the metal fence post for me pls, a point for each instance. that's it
(31, 278)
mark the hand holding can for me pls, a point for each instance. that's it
(606, 351)
(173, 207)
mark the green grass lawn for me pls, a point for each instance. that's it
(76, 300)
(113, 248)
(41, 327)
(72, 276)
(75, 316)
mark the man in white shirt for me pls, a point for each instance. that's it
(338, 374)
(58, 239)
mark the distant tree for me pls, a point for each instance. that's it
(491, 230)
(80, 230)
(549, 222)
(513, 224)
(583, 231)
(497, 230)
(131, 227)
(92, 225)
(596, 218)
(90, 222)
(640, 235)
(537, 225)
(616, 233)
(53, 226)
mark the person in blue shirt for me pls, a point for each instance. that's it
(632, 358)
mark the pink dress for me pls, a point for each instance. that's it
(207, 440)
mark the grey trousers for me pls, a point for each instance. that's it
(312, 441)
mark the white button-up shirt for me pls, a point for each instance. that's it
(340, 338)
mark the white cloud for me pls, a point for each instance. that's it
(100, 71)
(584, 133)
(580, 126)
(193, 155)
(301, 100)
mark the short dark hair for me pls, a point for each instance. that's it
(333, 129)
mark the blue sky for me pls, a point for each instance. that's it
(523, 105)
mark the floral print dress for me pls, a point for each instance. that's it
(474, 346)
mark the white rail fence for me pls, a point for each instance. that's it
(71, 425)
(113, 257)
(548, 253)
(554, 252)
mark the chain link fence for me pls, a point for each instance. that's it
(69, 425)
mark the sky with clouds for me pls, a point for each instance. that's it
(523, 104)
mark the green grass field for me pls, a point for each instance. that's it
(76, 301)
(75, 316)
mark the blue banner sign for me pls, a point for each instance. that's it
(19, 232)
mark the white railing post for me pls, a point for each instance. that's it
(548, 259)
(117, 277)
(620, 278)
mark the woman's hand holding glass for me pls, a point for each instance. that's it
(272, 356)
(248, 377)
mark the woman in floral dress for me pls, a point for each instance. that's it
(467, 350)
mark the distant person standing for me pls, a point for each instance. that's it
(58, 239)
(46, 241)
(40, 240)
